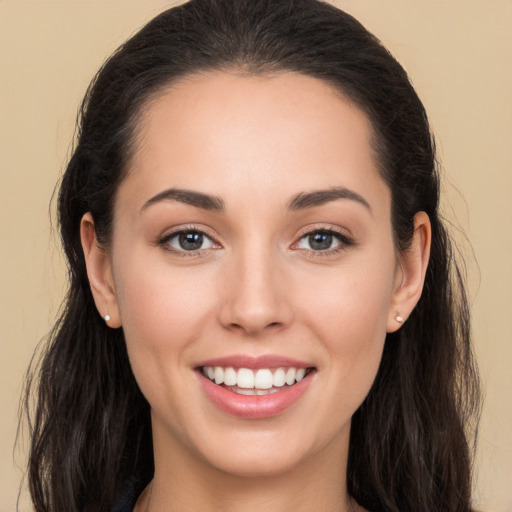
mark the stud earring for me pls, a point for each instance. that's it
(399, 319)
(106, 318)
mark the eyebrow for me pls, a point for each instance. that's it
(301, 201)
(320, 197)
(197, 199)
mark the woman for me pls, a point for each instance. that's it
(264, 312)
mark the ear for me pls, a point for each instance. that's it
(411, 273)
(99, 272)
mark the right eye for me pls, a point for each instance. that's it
(187, 241)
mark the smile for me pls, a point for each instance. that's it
(257, 381)
(255, 388)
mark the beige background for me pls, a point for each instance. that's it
(458, 54)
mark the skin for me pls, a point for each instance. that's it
(257, 288)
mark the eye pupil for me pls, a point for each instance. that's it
(320, 241)
(190, 241)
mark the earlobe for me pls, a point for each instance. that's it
(411, 275)
(99, 272)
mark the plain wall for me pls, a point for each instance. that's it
(458, 53)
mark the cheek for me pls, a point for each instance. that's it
(353, 333)
(349, 315)
(352, 303)
(162, 309)
(163, 312)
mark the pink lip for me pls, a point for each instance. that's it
(254, 406)
(245, 361)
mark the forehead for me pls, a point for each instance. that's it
(230, 134)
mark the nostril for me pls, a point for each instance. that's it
(253, 328)
(254, 316)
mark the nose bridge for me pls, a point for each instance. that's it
(255, 298)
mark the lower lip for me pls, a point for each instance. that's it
(254, 406)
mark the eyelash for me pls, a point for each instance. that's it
(344, 242)
(164, 241)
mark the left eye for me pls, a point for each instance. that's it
(320, 241)
(189, 241)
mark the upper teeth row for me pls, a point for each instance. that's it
(262, 378)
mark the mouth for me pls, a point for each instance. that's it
(254, 388)
(255, 381)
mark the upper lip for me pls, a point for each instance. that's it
(252, 362)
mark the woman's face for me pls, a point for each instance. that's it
(252, 241)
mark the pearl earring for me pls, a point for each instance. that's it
(106, 318)
(399, 319)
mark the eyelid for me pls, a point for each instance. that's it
(345, 240)
(163, 240)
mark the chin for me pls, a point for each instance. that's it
(271, 454)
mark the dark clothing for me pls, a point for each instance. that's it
(129, 497)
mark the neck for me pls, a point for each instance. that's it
(183, 483)
(232, 494)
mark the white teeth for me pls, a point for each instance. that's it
(279, 378)
(290, 376)
(230, 377)
(252, 392)
(248, 381)
(241, 391)
(219, 375)
(245, 378)
(300, 374)
(263, 379)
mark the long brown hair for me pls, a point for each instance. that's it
(90, 429)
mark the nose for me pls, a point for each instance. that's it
(254, 296)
